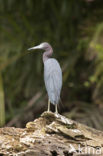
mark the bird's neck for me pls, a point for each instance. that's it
(47, 54)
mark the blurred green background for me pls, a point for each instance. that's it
(74, 29)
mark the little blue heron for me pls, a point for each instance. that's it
(52, 74)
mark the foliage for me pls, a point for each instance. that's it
(72, 29)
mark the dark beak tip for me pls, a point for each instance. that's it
(29, 49)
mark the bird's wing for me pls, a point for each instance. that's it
(53, 81)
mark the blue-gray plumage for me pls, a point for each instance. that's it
(52, 74)
(53, 79)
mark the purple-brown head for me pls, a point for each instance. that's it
(45, 46)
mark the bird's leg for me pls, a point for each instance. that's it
(48, 105)
(56, 109)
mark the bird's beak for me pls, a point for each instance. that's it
(36, 47)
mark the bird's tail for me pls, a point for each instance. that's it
(57, 94)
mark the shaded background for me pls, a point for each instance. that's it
(74, 29)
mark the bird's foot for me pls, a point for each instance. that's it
(56, 112)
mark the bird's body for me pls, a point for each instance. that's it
(52, 74)
(53, 79)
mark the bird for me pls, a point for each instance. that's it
(52, 75)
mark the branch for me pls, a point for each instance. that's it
(51, 134)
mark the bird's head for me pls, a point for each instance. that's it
(45, 46)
